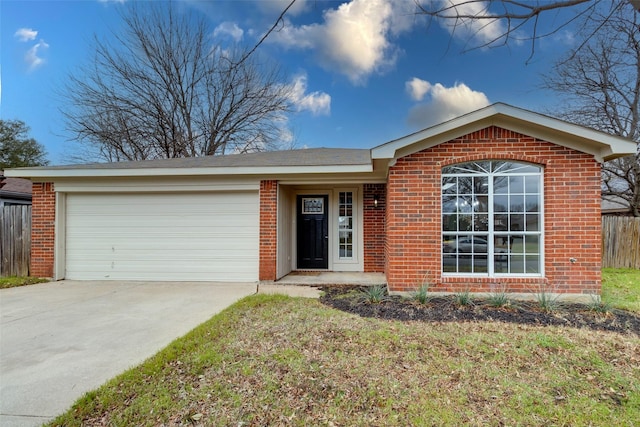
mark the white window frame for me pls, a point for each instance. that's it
(491, 232)
(355, 263)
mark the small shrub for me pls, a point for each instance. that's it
(597, 305)
(463, 298)
(547, 301)
(422, 294)
(375, 294)
(499, 298)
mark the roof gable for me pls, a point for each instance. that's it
(601, 145)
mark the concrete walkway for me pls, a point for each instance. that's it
(59, 340)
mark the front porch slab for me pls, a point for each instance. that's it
(320, 278)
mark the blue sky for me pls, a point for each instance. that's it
(365, 71)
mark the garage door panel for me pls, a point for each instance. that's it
(192, 236)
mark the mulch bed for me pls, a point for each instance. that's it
(446, 309)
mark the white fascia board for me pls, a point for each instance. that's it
(438, 132)
(601, 145)
(41, 174)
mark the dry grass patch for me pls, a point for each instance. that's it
(273, 360)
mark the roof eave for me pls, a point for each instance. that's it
(601, 145)
(52, 173)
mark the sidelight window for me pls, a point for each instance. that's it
(345, 224)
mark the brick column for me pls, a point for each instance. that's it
(268, 229)
(374, 229)
(42, 229)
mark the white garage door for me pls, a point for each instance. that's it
(162, 236)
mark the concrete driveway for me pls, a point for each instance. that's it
(59, 340)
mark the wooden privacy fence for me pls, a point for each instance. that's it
(15, 240)
(620, 242)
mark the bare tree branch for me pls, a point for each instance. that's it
(601, 83)
(515, 15)
(162, 89)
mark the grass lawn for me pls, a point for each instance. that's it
(275, 360)
(12, 282)
(621, 288)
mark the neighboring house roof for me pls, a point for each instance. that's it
(15, 188)
(355, 161)
(614, 204)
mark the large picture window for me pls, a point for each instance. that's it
(492, 218)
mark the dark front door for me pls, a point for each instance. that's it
(313, 232)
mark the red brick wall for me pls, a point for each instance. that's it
(571, 214)
(268, 229)
(373, 226)
(43, 215)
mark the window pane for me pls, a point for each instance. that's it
(465, 204)
(449, 244)
(481, 204)
(533, 223)
(501, 222)
(480, 245)
(516, 243)
(500, 185)
(449, 263)
(501, 244)
(500, 265)
(516, 184)
(449, 185)
(532, 203)
(480, 264)
(516, 203)
(516, 222)
(532, 245)
(501, 203)
(465, 185)
(449, 204)
(449, 223)
(465, 222)
(532, 264)
(516, 263)
(532, 184)
(481, 184)
(481, 222)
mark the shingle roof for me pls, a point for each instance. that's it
(302, 157)
(17, 187)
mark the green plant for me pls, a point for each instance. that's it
(499, 298)
(11, 282)
(597, 305)
(463, 298)
(422, 294)
(375, 294)
(547, 301)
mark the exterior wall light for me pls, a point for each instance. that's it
(376, 198)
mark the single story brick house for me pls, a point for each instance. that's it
(500, 196)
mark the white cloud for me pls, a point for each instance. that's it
(485, 31)
(33, 57)
(26, 34)
(417, 88)
(446, 103)
(318, 103)
(353, 39)
(229, 29)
